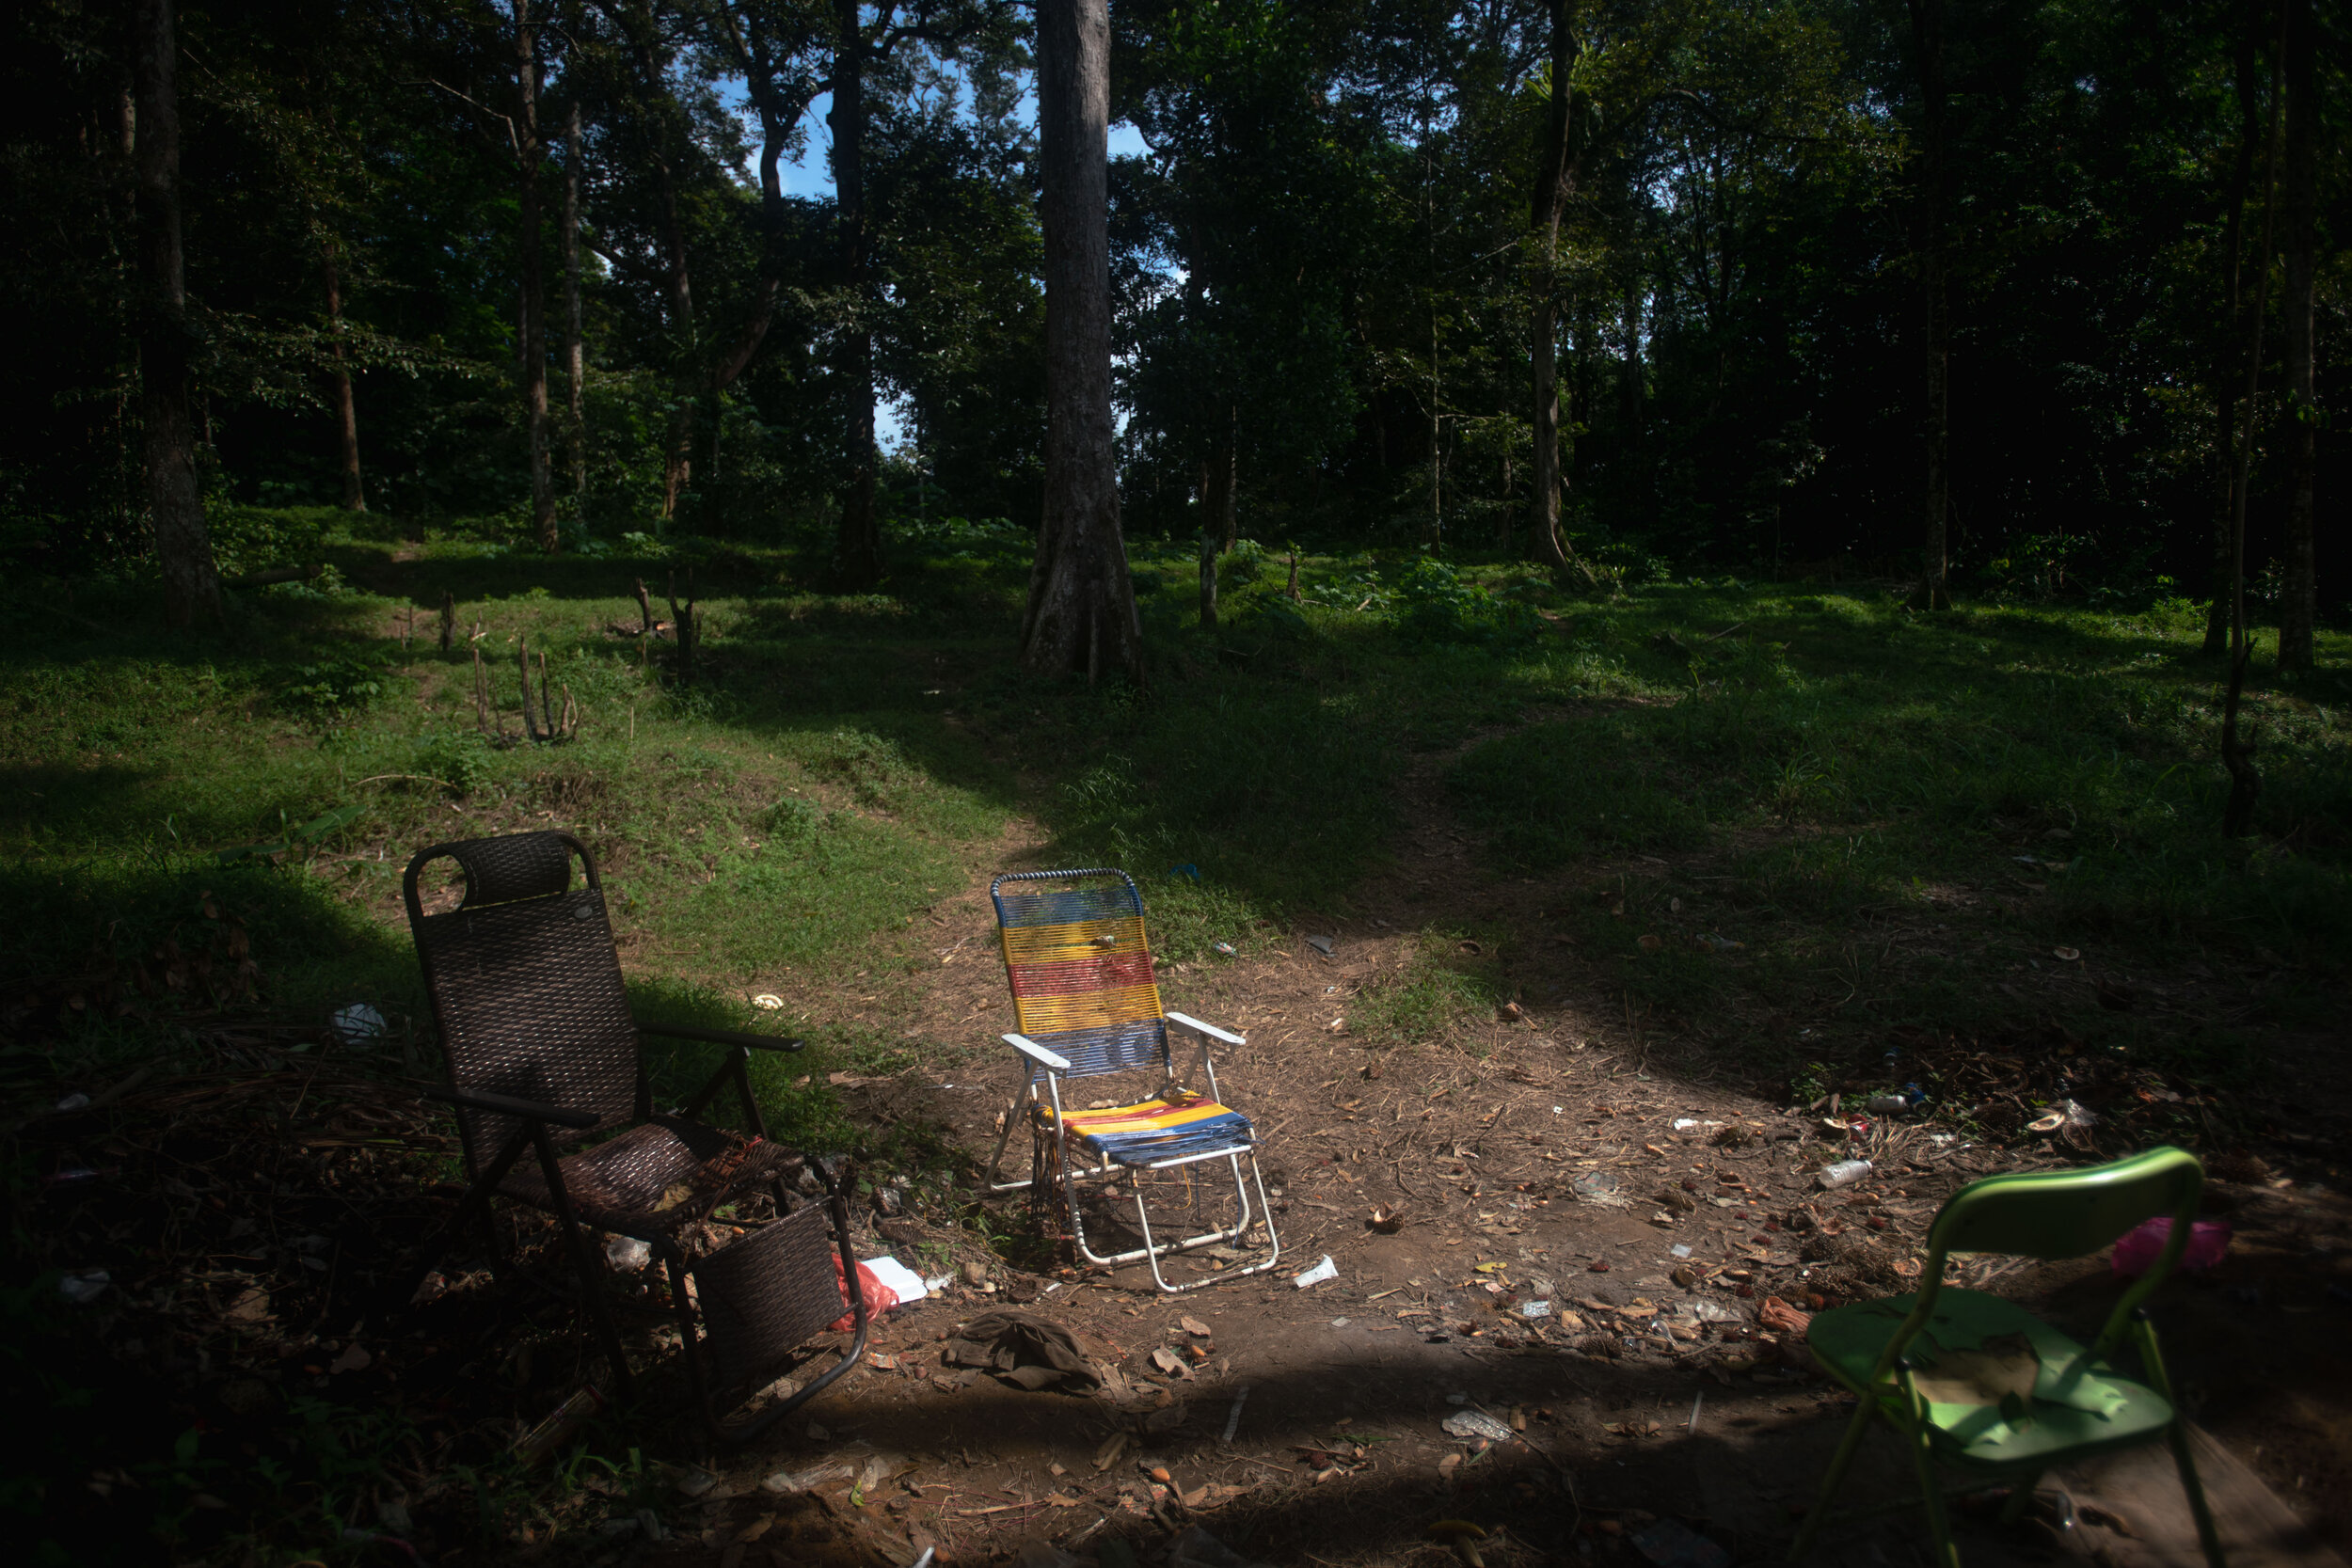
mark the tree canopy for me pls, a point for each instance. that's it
(1794, 273)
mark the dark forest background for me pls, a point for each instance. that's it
(1322, 264)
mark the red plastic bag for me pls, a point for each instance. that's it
(880, 1298)
(2137, 1253)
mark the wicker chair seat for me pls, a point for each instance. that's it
(653, 1177)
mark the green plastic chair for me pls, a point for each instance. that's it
(1972, 1381)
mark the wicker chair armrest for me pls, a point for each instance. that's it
(719, 1037)
(507, 1105)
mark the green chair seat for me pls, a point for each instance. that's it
(1983, 1352)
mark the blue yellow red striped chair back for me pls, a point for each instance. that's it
(1081, 969)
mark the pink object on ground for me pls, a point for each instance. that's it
(2137, 1253)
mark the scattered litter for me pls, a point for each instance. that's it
(1339, 1322)
(2066, 1112)
(1024, 1351)
(2064, 955)
(934, 1284)
(1700, 1309)
(73, 1102)
(1316, 1276)
(2137, 1253)
(1845, 1173)
(85, 1286)
(1601, 1186)
(785, 1482)
(1477, 1423)
(1672, 1544)
(768, 1001)
(627, 1252)
(1223, 949)
(1680, 1249)
(1686, 1124)
(1534, 1309)
(1320, 944)
(1232, 1417)
(563, 1423)
(1190, 872)
(357, 1024)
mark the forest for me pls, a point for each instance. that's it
(1941, 291)
(1698, 621)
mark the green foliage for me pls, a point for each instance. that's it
(255, 538)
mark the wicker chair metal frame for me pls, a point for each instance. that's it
(542, 1050)
(1080, 968)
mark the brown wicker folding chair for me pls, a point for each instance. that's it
(526, 988)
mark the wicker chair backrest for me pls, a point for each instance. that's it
(761, 1296)
(1080, 969)
(526, 987)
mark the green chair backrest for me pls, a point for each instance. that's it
(2051, 1214)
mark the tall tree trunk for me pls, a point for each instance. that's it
(346, 414)
(1555, 174)
(1926, 31)
(1082, 605)
(1209, 542)
(1630, 384)
(2299, 206)
(2237, 758)
(191, 581)
(2248, 51)
(575, 354)
(1224, 480)
(534, 333)
(677, 451)
(860, 545)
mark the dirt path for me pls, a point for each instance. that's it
(1591, 1231)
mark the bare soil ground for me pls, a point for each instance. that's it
(1606, 1164)
(1619, 1167)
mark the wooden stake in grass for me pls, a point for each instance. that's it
(449, 617)
(522, 662)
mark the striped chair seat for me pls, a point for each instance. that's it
(1154, 1129)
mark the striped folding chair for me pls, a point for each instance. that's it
(1088, 1006)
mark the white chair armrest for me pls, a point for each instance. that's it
(1206, 1031)
(1038, 1054)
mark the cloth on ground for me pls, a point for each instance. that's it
(1024, 1350)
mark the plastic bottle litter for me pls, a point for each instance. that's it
(1477, 1423)
(1321, 1272)
(549, 1436)
(2137, 1252)
(357, 1024)
(1886, 1104)
(1845, 1173)
(627, 1252)
(73, 1102)
(1223, 949)
(86, 1287)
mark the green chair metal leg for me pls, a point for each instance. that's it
(1923, 1458)
(1847, 1447)
(2207, 1536)
(2151, 1362)
(2020, 1499)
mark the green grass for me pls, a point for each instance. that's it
(1796, 766)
